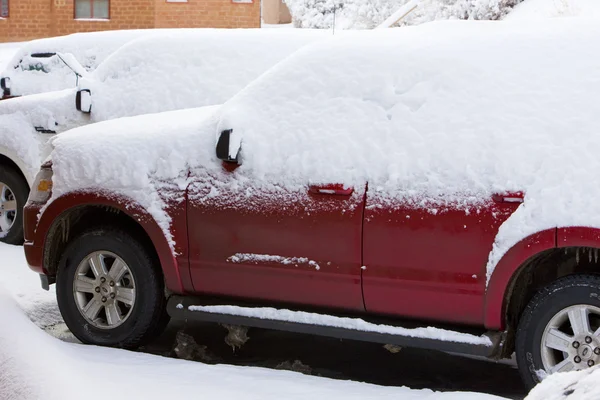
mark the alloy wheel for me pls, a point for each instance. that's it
(8, 208)
(571, 339)
(104, 289)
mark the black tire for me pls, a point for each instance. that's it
(564, 292)
(20, 189)
(148, 316)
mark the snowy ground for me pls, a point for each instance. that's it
(26, 351)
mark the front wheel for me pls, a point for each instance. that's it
(13, 196)
(110, 292)
(559, 330)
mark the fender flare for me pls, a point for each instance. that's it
(64, 204)
(495, 295)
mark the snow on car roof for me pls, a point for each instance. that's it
(187, 68)
(439, 115)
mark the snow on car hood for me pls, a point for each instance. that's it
(132, 156)
(187, 68)
(440, 115)
(19, 118)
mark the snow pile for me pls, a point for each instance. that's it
(366, 14)
(36, 365)
(23, 286)
(186, 68)
(536, 9)
(575, 385)
(439, 116)
(41, 74)
(347, 323)
(20, 116)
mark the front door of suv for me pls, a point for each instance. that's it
(260, 240)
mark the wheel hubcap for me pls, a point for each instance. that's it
(8, 208)
(104, 290)
(571, 340)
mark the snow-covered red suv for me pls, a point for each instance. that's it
(445, 174)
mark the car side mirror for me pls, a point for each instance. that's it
(5, 86)
(223, 148)
(83, 101)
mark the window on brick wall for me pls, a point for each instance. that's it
(3, 8)
(97, 9)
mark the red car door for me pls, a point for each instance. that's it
(265, 242)
(430, 263)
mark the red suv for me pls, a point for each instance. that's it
(347, 197)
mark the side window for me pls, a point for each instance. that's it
(3, 8)
(92, 9)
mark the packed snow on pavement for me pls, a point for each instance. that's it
(36, 365)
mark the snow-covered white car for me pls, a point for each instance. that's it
(36, 67)
(446, 173)
(168, 71)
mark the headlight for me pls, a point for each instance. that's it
(42, 186)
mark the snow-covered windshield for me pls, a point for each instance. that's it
(187, 68)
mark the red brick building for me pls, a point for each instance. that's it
(29, 19)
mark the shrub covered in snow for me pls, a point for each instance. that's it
(366, 14)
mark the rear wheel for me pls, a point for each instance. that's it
(13, 196)
(560, 329)
(110, 292)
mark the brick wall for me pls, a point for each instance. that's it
(31, 19)
(207, 14)
(28, 19)
(124, 14)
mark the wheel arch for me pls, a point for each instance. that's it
(532, 264)
(8, 159)
(73, 213)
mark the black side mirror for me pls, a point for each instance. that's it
(223, 147)
(83, 101)
(5, 86)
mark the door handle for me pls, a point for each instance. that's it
(334, 189)
(508, 197)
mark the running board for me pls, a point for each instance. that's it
(188, 308)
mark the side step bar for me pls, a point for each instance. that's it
(187, 308)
